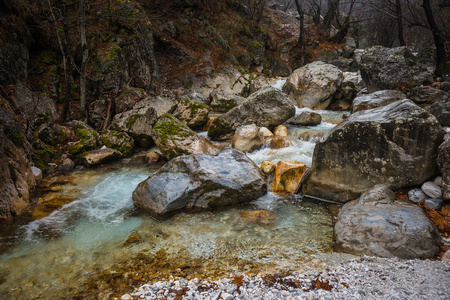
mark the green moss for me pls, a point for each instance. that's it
(41, 157)
(132, 119)
(167, 127)
(19, 140)
(218, 129)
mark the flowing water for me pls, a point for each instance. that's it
(98, 242)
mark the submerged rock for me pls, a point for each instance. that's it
(201, 181)
(268, 107)
(314, 85)
(378, 224)
(395, 145)
(173, 139)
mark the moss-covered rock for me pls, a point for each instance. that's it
(173, 138)
(192, 113)
(88, 141)
(119, 141)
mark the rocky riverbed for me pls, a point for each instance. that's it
(340, 276)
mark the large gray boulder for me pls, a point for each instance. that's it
(377, 99)
(314, 85)
(201, 182)
(395, 145)
(268, 107)
(379, 224)
(174, 138)
(390, 68)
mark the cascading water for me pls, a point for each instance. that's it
(69, 251)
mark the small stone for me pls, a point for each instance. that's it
(279, 142)
(267, 167)
(434, 203)
(226, 296)
(280, 130)
(126, 297)
(431, 189)
(438, 181)
(153, 157)
(416, 195)
(446, 256)
(264, 132)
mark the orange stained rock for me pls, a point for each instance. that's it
(288, 176)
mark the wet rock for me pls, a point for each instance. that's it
(378, 224)
(153, 157)
(247, 138)
(119, 141)
(201, 182)
(443, 161)
(265, 132)
(268, 107)
(133, 238)
(280, 130)
(288, 176)
(416, 195)
(173, 139)
(434, 203)
(431, 189)
(191, 113)
(390, 68)
(306, 118)
(66, 165)
(376, 99)
(268, 167)
(96, 157)
(378, 146)
(279, 142)
(262, 217)
(314, 85)
(441, 110)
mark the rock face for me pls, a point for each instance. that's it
(314, 85)
(268, 107)
(378, 224)
(247, 138)
(173, 139)
(394, 145)
(15, 170)
(201, 182)
(390, 68)
(306, 118)
(444, 166)
(376, 99)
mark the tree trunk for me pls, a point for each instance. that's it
(68, 75)
(84, 59)
(302, 19)
(333, 6)
(441, 55)
(398, 9)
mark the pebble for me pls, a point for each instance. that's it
(416, 195)
(438, 181)
(434, 203)
(358, 278)
(431, 189)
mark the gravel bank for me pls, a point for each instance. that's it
(344, 278)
